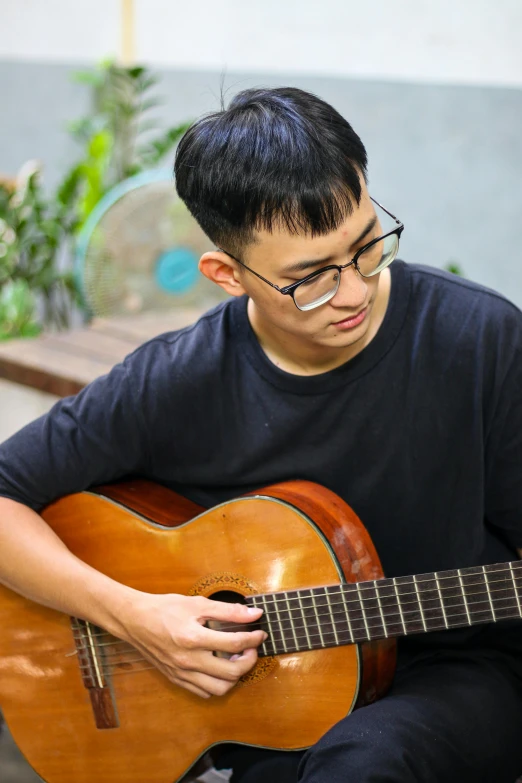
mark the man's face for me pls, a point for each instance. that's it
(284, 258)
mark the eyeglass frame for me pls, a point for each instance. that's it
(289, 290)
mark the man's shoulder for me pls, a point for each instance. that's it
(455, 290)
(462, 324)
(199, 345)
(448, 300)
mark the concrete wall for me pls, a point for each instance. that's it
(464, 42)
(447, 159)
(434, 90)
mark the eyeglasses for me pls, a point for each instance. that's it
(318, 288)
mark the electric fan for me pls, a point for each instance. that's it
(139, 250)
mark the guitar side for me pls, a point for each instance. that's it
(250, 545)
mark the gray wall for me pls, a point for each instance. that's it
(447, 160)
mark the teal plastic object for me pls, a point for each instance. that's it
(176, 269)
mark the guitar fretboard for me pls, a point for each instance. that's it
(333, 615)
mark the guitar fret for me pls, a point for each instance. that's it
(400, 607)
(283, 636)
(504, 592)
(310, 618)
(318, 619)
(270, 642)
(347, 615)
(464, 595)
(291, 618)
(355, 612)
(327, 619)
(478, 596)
(305, 625)
(372, 610)
(489, 594)
(389, 609)
(429, 597)
(362, 610)
(515, 588)
(453, 599)
(332, 617)
(271, 628)
(412, 615)
(380, 608)
(441, 601)
(420, 604)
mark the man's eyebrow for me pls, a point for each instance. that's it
(302, 266)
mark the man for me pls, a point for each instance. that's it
(396, 386)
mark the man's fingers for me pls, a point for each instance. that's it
(218, 686)
(234, 613)
(220, 668)
(234, 642)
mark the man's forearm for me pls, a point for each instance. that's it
(36, 563)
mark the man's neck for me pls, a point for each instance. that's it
(301, 357)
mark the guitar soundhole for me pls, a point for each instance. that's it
(265, 665)
(228, 597)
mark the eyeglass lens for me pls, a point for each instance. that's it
(324, 286)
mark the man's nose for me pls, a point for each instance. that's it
(353, 289)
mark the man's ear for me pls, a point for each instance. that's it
(221, 270)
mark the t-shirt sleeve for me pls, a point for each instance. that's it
(503, 500)
(92, 438)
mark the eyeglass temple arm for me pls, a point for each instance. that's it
(250, 270)
(399, 222)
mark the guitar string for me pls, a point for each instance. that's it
(366, 637)
(377, 595)
(363, 609)
(111, 668)
(362, 603)
(374, 586)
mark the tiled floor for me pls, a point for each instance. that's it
(13, 767)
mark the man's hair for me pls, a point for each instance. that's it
(274, 157)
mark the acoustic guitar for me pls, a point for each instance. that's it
(84, 706)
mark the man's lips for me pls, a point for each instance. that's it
(352, 320)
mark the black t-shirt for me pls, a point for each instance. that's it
(421, 432)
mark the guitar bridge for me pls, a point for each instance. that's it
(92, 672)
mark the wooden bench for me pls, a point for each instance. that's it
(62, 363)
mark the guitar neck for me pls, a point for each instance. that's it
(329, 616)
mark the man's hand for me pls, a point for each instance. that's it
(169, 630)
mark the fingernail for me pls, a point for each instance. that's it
(235, 657)
(252, 610)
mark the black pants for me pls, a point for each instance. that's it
(450, 716)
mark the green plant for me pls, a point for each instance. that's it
(118, 135)
(453, 267)
(38, 230)
(33, 230)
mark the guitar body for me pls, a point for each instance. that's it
(139, 727)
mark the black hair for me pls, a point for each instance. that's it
(274, 156)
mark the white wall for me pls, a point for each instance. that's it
(444, 41)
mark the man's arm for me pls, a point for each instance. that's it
(167, 629)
